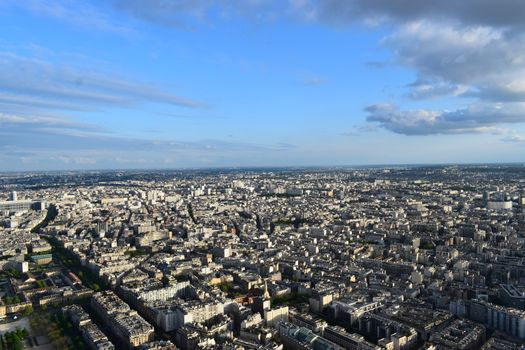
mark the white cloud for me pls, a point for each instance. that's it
(62, 86)
(475, 119)
(77, 13)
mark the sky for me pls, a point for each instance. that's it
(117, 84)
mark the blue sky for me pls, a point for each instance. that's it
(201, 83)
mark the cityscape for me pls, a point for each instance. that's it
(426, 257)
(262, 174)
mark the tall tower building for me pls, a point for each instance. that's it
(266, 294)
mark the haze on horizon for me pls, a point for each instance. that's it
(201, 83)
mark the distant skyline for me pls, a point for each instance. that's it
(104, 84)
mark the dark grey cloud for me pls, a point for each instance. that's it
(482, 58)
(474, 119)
(500, 13)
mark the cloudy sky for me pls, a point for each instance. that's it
(201, 83)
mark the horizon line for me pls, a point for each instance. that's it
(267, 167)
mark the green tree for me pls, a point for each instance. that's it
(28, 310)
